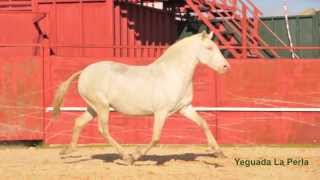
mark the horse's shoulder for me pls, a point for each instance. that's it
(119, 67)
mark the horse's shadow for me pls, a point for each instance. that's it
(159, 159)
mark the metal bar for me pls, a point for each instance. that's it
(20, 45)
(124, 26)
(104, 46)
(132, 25)
(148, 47)
(251, 4)
(217, 109)
(55, 26)
(255, 33)
(81, 28)
(22, 12)
(148, 29)
(244, 32)
(139, 30)
(237, 28)
(112, 23)
(35, 5)
(68, 1)
(43, 92)
(17, 3)
(224, 4)
(275, 47)
(234, 4)
(117, 29)
(211, 27)
(274, 34)
(252, 12)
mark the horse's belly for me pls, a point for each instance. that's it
(131, 109)
(130, 103)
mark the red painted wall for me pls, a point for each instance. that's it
(279, 83)
(124, 128)
(21, 98)
(95, 29)
(250, 83)
(102, 25)
(17, 28)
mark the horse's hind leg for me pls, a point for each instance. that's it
(103, 119)
(191, 114)
(159, 121)
(80, 122)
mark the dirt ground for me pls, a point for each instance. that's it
(164, 162)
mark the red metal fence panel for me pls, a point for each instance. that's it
(260, 83)
(21, 98)
(282, 83)
(105, 29)
(126, 129)
(130, 34)
(17, 28)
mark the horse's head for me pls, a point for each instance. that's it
(210, 54)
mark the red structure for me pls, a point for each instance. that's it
(42, 42)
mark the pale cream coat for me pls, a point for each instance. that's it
(158, 89)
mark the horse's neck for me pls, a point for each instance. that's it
(180, 59)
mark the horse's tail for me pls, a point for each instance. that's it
(61, 92)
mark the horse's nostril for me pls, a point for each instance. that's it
(225, 67)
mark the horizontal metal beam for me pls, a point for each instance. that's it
(216, 109)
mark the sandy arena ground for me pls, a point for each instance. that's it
(164, 162)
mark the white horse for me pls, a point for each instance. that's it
(159, 89)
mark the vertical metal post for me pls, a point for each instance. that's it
(255, 31)
(117, 29)
(234, 5)
(148, 30)
(244, 25)
(112, 25)
(285, 7)
(224, 4)
(81, 29)
(256, 17)
(55, 28)
(128, 7)
(35, 5)
(141, 31)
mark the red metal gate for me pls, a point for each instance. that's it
(126, 129)
(27, 87)
(59, 38)
(21, 98)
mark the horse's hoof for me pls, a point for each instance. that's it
(67, 151)
(216, 153)
(137, 154)
(219, 154)
(129, 159)
(121, 162)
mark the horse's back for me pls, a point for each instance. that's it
(126, 88)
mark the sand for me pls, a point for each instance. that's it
(163, 162)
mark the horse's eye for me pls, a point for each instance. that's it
(210, 48)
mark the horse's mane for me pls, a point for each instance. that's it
(183, 41)
(178, 45)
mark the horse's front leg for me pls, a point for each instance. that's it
(190, 113)
(159, 121)
(103, 119)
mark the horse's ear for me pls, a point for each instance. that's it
(210, 35)
(204, 35)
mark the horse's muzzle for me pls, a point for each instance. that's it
(224, 68)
